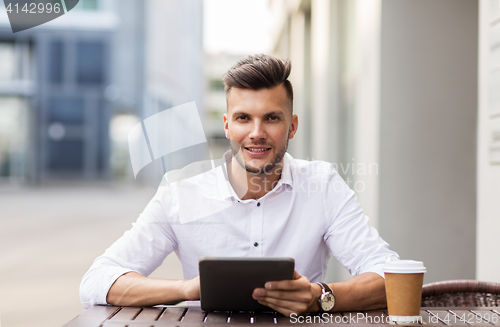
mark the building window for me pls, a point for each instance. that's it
(90, 62)
(67, 110)
(56, 62)
(13, 136)
(7, 62)
(72, 160)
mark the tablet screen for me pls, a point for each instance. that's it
(227, 284)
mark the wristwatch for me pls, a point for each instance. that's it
(326, 300)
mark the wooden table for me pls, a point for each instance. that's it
(182, 315)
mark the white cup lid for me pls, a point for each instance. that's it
(396, 266)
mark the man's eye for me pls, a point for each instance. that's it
(273, 118)
(242, 118)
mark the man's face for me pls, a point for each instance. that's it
(259, 125)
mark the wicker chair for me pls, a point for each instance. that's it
(461, 293)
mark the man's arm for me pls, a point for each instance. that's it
(140, 250)
(134, 289)
(362, 292)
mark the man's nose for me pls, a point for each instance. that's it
(258, 131)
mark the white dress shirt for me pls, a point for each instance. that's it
(310, 214)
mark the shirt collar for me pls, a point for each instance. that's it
(226, 190)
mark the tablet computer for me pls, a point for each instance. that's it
(227, 284)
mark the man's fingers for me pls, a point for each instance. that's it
(298, 283)
(283, 295)
(287, 285)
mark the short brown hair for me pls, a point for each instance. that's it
(259, 72)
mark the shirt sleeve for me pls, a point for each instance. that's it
(351, 239)
(142, 249)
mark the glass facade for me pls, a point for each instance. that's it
(14, 105)
(13, 136)
(90, 62)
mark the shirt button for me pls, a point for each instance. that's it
(256, 244)
(258, 204)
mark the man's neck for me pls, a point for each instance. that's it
(252, 186)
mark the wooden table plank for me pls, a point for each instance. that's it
(358, 318)
(427, 318)
(456, 313)
(464, 317)
(282, 320)
(372, 317)
(472, 317)
(219, 317)
(110, 316)
(310, 319)
(461, 308)
(126, 313)
(194, 315)
(349, 317)
(439, 315)
(93, 316)
(149, 314)
(133, 323)
(116, 323)
(335, 318)
(496, 319)
(488, 315)
(376, 317)
(263, 318)
(172, 314)
(119, 323)
(240, 318)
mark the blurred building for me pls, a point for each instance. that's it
(488, 142)
(107, 62)
(173, 67)
(215, 99)
(59, 74)
(393, 84)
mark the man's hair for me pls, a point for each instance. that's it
(259, 72)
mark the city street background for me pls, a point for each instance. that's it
(409, 87)
(49, 237)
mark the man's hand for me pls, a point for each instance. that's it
(192, 289)
(134, 289)
(289, 296)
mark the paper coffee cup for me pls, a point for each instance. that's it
(403, 288)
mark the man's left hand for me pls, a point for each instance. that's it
(289, 296)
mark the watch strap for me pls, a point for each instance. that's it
(325, 287)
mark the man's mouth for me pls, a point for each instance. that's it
(258, 149)
(257, 152)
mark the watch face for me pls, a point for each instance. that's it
(327, 301)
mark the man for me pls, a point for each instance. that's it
(262, 203)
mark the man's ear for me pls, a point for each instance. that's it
(293, 127)
(226, 126)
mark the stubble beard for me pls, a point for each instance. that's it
(237, 151)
